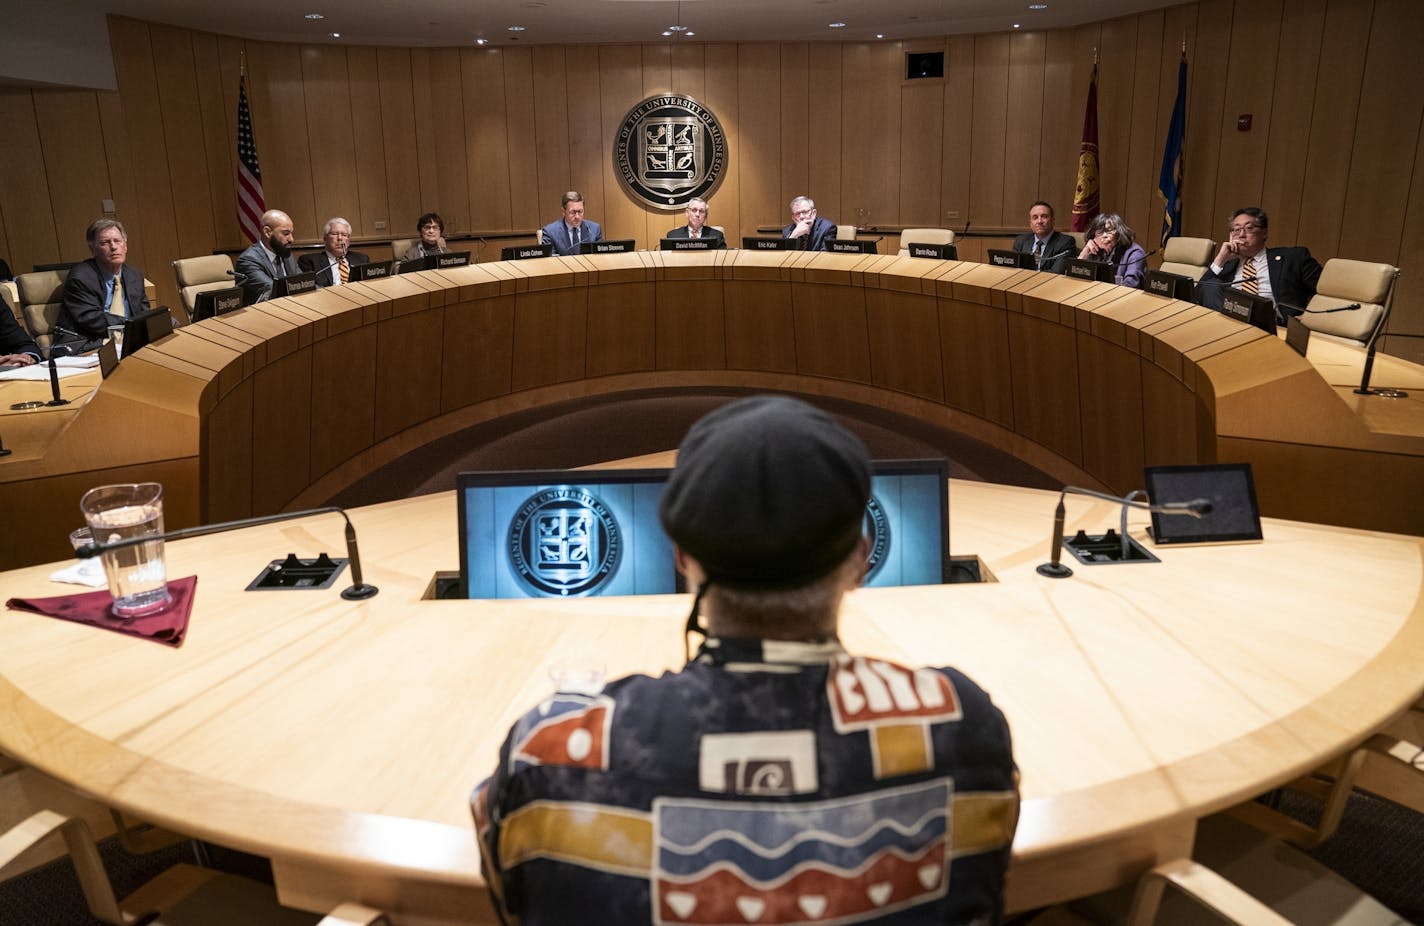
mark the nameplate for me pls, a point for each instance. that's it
(294, 285)
(227, 301)
(372, 271)
(767, 244)
(526, 251)
(1082, 269)
(851, 247)
(458, 259)
(1171, 285)
(687, 244)
(617, 246)
(1159, 284)
(1002, 260)
(1297, 336)
(936, 251)
(1237, 306)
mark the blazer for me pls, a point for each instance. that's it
(1293, 272)
(1056, 250)
(320, 264)
(82, 308)
(14, 339)
(719, 240)
(557, 232)
(822, 230)
(256, 271)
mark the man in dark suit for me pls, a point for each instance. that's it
(104, 290)
(1051, 248)
(270, 258)
(17, 348)
(809, 232)
(332, 265)
(1287, 275)
(572, 229)
(697, 226)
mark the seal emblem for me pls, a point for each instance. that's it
(877, 528)
(564, 542)
(669, 149)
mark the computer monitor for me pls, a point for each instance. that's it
(753, 243)
(907, 521)
(1090, 270)
(853, 246)
(1001, 257)
(1257, 311)
(1172, 285)
(526, 251)
(216, 302)
(615, 246)
(372, 271)
(145, 328)
(1234, 516)
(563, 534)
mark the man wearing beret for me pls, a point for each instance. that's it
(776, 778)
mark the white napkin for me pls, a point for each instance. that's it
(88, 572)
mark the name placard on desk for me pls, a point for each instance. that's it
(1090, 270)
(852, 247)
(687, 244)
(457, 259)
(1171, 285)
(768, 244)
(616, 246)
(1257, 311)
(294, 285)
(1001, 257)
(372, 271)
(935, 251)
(526, 251)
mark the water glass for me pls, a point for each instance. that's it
(136, 574)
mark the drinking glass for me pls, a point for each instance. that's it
(136, 574)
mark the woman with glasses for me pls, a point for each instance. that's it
(1112, 242)
(432, 230)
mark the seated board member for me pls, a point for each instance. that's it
(1110, 240)
(17, 348)
(570, 230)
(776, 777)
(332, 264)
(1050, 248)
(104, 290)
(697, 226)
(810, 232)
(431, 228)
(268, 259)
(1287, 275)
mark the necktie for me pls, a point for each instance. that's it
(116, 297)
(578, 238)
(1249, 283)
(1038, 251)
(279, 268)
(345, 271)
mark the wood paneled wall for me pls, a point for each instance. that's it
(492, 136)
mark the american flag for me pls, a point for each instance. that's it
(250, 204)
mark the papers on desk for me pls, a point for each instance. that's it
(64, 366)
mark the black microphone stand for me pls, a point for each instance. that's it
(1054, 568)
(357, 591)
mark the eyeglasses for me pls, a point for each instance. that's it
(428, 225)
(1245, 229)
(803, 212)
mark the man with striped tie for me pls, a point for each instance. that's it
(332, 265)
(1287, 275)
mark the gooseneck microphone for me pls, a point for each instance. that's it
(357, 591)
(1055, 569)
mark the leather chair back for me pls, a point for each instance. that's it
(1187, 256)
(1344, 282)
(924, 236)
(41, 295)
(202, 274)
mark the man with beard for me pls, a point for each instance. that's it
(267, 260)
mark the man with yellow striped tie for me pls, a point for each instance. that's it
(332, 265)
(1287, 275)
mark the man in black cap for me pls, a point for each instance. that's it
(776, 778)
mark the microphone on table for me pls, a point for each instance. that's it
(357, 591)
(1054, 568)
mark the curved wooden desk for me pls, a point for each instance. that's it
(282, 405)
(342, 739)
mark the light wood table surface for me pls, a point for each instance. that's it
(342, 739)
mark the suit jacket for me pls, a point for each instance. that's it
(257, 271)
(320, 264)
(13, 338)
(1293, 272)
(82, 309)
(557, 232)
(822, 230)
(719, 240)
(1056, 250)
(417, 250)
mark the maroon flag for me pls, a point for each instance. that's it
(1085, 195)
(250, 204)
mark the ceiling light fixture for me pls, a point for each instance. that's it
(336, 35)
(1016, 25)
(315, 16)
(880, 35)
(516, 29)
(667, 32)
(837, 25)
(1038, 6)
(481, 41)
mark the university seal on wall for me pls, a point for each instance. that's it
(877, 528)
(669, 149)
(564, 542)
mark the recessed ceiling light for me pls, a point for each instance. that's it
(1038, 6)
(315, 16)
(690, 33)
(481, 41)
(837, 25)
(678, 28)
(1016, 25)
(516, 28)
(336, 35)
(667, 32)
(880, 35)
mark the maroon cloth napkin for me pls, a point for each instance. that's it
(96, 610)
